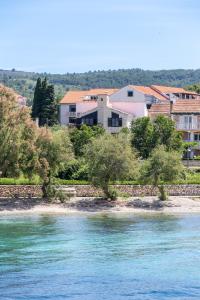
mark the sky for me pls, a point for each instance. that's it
(60, 36)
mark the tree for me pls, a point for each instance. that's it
(110, 158)
(142, 136)
(162, 167)
(147, 134)
(26, 149)
(165, 133)
(194, 88)
(54, 153)
(17, 137)
(49, 112)
(81, 137)
(36, 107)
(44, 104)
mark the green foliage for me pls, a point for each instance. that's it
(148, 134)
(28, 150)
(81, 137)
(36, 107)
(44, 104)
(110, 158)
(17, 137)
(165, 133)
(162, 167)
(76, 169)
(194, 88)
(142, 136)
(54, 153)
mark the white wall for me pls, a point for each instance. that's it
(80, 108)
(137, 109)
(64, 118)
(121, 95)
(85, 106)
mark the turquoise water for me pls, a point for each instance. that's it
(99, 257)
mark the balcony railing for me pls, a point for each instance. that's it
(188, 126)
(72, 114)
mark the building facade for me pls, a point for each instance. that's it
(115, 109)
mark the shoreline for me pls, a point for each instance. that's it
(91, 205)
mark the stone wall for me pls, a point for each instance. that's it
(20, 191)
(89, 191)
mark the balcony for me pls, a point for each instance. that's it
(188, 126)
(71, 114)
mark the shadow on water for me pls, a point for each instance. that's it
(109, 223)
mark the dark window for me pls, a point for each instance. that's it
(196, 137)
(72, 108)
(114, 122)
(72, 120)
(148, 106)
(90, 119)
(93, 97)
(114, 115)
(130, 93)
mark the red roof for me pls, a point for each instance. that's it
(79, 96)
(171, 90)
(148, 91)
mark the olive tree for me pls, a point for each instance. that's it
(147, 134)
(54, 153)
(162, 167)
(110, 158)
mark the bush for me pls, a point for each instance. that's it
(76, 169)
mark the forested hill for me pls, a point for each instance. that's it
(24, 82)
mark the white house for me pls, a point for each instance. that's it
(112, 108)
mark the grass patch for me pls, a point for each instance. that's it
(191, 178)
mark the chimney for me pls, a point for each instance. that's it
(172, 100)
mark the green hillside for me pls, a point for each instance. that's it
(24, 82)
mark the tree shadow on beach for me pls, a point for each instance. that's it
(20, 203)
(92, 204)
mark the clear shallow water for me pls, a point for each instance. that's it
(100, 257)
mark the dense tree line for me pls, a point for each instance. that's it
(24, 82)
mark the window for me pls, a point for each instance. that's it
(197, 137)
(72, 108)
(130, 93)
(188, 122)
(93, 97)
(114, 122)
(72, 121)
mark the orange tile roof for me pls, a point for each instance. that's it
(159, 109)
(148, 91)
(79, 96)
(179, 107)
(171, 90)
(186, 106)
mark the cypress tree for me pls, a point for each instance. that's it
(37, 99)
(48, 111)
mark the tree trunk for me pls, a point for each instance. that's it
(163, 194)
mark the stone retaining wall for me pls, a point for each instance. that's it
(89, 191)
